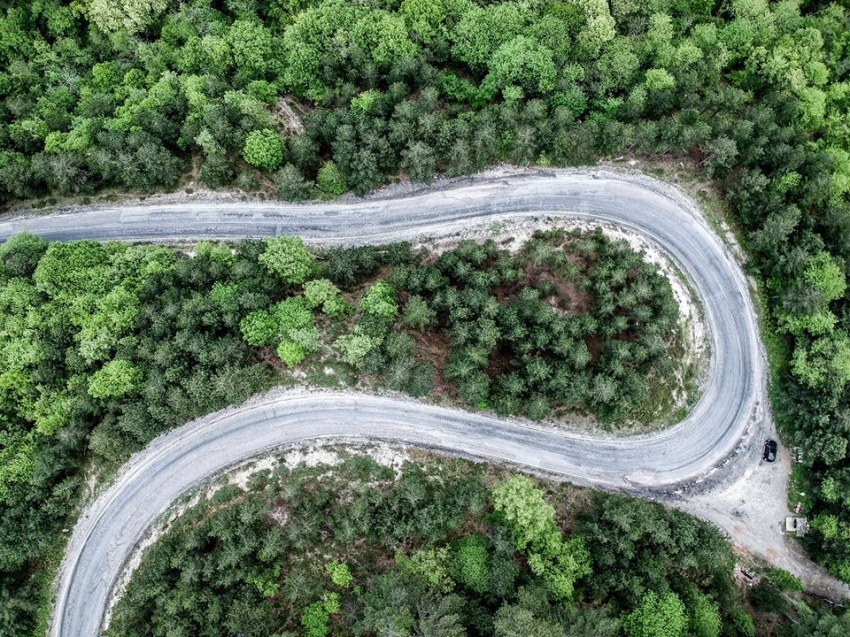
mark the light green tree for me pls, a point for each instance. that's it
(431, 565)
(826, 276)
(526, 513)
(115, 379)
(380, 301)
(483, 30)
(516, 621)
(340, 573)
(356, 346)
(470, 562)
(288, 324)
(524, 62)
(656, 617)
(252, 47)
(384, 36)
(263, 149)
(290, 353)
(531, 521)
(824, 363)
(130, 15)
(321, 292)
(659, 80)
(330, 180)
(289, 259)
(703, 615)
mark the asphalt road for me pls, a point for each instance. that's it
(730, 413)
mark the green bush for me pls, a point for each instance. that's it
(470, 563)
(115, 379)
(289, 259)
(330, 180)
(263, 149)
(380, 302)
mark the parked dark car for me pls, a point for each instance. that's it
(769, 450)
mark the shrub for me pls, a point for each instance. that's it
(263, 149)
(291, 185)
(115, 379)
(470, 562)
(289, 259)
(330, 179)
(380, 301)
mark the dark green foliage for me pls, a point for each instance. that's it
(416, 566)
(135, 341)
(348, 266)
(521, 329)
(820, 625)
(754, 93)
(663, 547)
(290, 185)
(138, 340)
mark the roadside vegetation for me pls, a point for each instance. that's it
(444, 548)
(311, 99)
(103, 346)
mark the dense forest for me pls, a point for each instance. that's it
(103, 346)
(444, 548)
(310, 99)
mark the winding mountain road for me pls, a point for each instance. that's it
(731, 414)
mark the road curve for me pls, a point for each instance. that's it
(731, 407)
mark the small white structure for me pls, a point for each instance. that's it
(798, 526)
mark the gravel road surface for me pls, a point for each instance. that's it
(716, 446)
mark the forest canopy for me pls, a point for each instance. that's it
(309, 99)
(434, 547)
(103, 346)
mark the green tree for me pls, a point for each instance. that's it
(523, 62)
(380, 301)
(656, 617)
(516, 621)
(291, 185)
(115, 379)
(288, 259)
(20, 254)
(330, 180)
(419, 161)
(263, 149)
(418, 313)
(820, 624)
(130, 15)
(470, 562)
